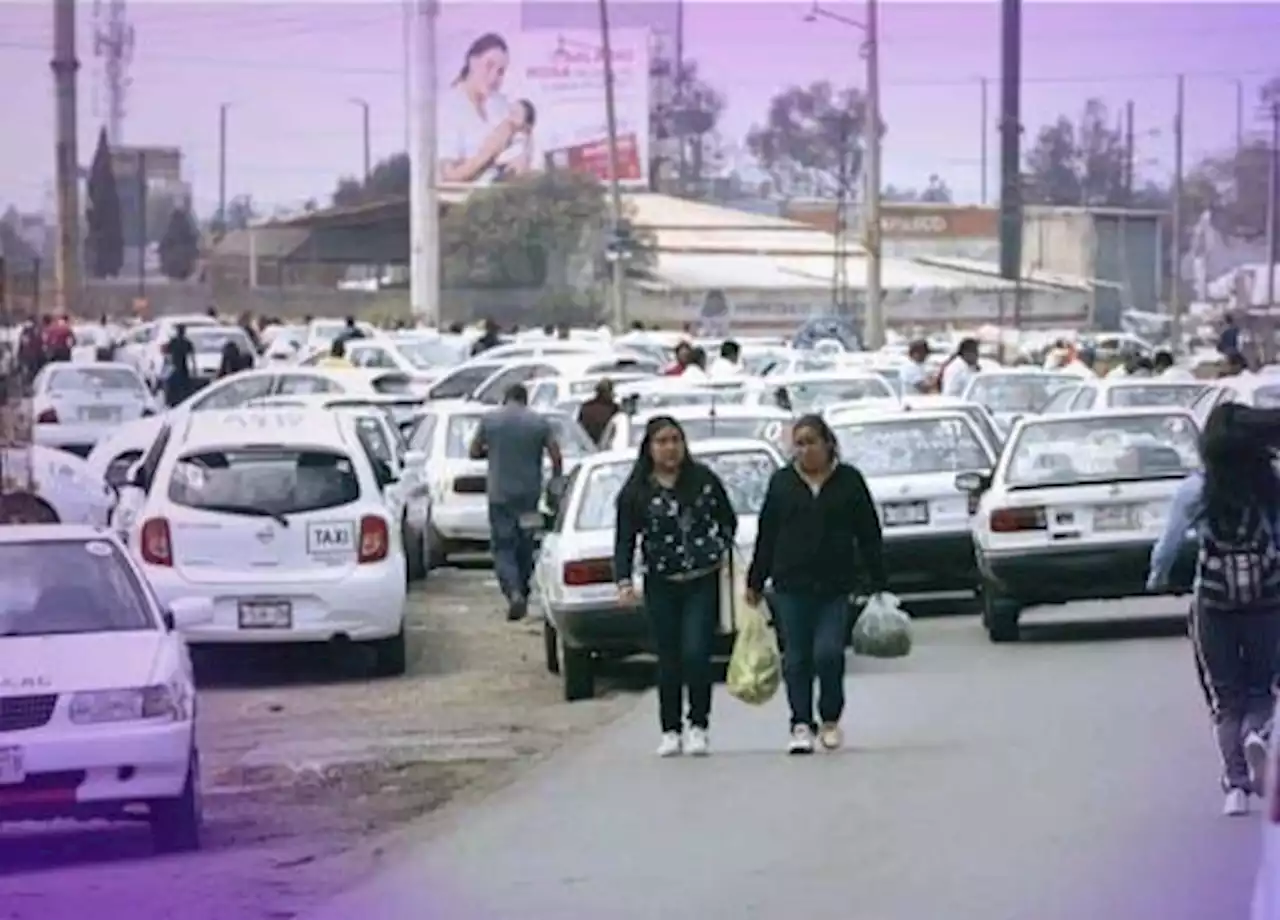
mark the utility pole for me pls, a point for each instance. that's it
(983, 156)
(364, 127)
(874, 337)
(1011, 150)
(65, 65)
(1130, 153)
(424, 193)
(618, 254)
(1239, 114)
(1273, 190)
(142, 224)
(222, 168)
(406, 39)
(1175, 288)
(678, 102)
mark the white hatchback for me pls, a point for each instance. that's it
(97, 695)
(280, 516)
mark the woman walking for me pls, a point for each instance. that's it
(819, 542)
(1234, 508)
(679, 511)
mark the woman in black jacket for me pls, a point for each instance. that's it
(819, 542)
(680, 512)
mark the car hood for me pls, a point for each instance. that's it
(71, 663)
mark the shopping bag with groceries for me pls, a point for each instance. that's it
(755, 667)
(883, 629)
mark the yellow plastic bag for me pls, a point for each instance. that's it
(755, 667)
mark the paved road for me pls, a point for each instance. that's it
(1067, 778)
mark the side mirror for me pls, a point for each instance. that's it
(973, 483)
(189, 612)
(415, 458)
(137, 478)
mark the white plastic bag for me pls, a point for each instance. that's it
(883, 629)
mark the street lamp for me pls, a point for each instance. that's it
(874, 322)
(222, 168)
(364, 124)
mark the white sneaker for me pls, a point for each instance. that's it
(801, 740)
(669, 746)
(696, 742)
(830, 736)
(1236, 804)
(1255, 752)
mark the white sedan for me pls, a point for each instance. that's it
(97, 695)
(1073, 508)
(1009, 394)
(44, 485)
(811, 392)
(77, 405)
(1123, 393)
(773, 426)
(582, 617)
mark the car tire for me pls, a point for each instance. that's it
(578, 672)
(25, 508)
(1000, 617)
(176, 823)
(415, 562)
(551, 645)
(436, 553)
(391, 655)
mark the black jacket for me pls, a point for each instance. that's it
(828, 544)
(712, 525)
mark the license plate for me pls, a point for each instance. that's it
(99, 414)
(325, 539)
(1117, 517)
(266, 615)
(12, 769)
(531, 521)
(906, 513)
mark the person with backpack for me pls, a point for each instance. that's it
(1233, 507)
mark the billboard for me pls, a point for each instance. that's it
(513, 104)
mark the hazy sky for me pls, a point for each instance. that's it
(289, 70)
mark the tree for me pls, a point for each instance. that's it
(390, 178)
(683, 114)
(160, 208)
(104, 237)
(936, 192)
(241, 212)
(812, 138)
(180, 246)
(1081, 163)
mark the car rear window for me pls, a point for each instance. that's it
(68, 587)
(274, 481)
(75, 379)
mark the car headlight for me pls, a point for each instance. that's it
(156, 702)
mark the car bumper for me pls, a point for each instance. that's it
(96, 771)
(930, 564)
(612, 629)
(364, 606)
(76, 437)
(462, 524)
(1059, 575)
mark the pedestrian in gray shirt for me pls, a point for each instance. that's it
(514, 439)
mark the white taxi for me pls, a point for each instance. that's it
(1011, 393)
(1123, 393)
(910, 461)
(74, 406)
(812, 392)
(1073, 508)
(582, 619)
(44, 485)
(625, 431)
(1261, 391)
(282, 517)
(457, 484)
(97, 695)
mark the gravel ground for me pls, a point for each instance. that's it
(313, 773)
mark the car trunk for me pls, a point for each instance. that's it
(216, 548)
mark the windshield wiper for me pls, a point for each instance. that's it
(247, 511)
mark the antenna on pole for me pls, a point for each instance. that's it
(113, 43)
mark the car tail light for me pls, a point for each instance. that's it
(586, 572)
(47, 417)
(157, 545)
(375, 539)
(1015, 520)
(470, 485)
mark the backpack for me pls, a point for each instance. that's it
(1240, 568)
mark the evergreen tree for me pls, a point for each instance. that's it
(104, 240)
(180, 246)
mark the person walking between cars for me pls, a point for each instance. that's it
(916, 378)
(729, 363)
(819, 542)
(596, 412)
(514, 439)
(59, 340)
(678, 510)
(959, 369)
(179, 355)
(337, 357)
(1234, 509)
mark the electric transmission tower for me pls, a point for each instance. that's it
(113, 41)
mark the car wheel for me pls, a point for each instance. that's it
(1000, 617)
(436, 554)
(415, 569)
(578, 671)
(390, 655)
(176, 823)
(25, 508)
(551, 645)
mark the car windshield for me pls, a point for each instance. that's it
(79, 379)
(1154, 395)
(1016, 392)
(912, 447)
(573, 441)
(771, 428)
(213, 339)
(1068, 451)
(745, 475)
(812, 396)
(429, 353)
(276, 481)
(66, 587)
(662, 398)
(1267, 397)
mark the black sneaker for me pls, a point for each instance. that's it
(517, 609)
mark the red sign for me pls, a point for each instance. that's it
(593, 158)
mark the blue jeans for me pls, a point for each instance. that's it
(513, 548)
(684, 616)
(814, 630)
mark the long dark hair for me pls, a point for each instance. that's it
(489, 41)
(1238, 471)
(818, 425)
(639, 484)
